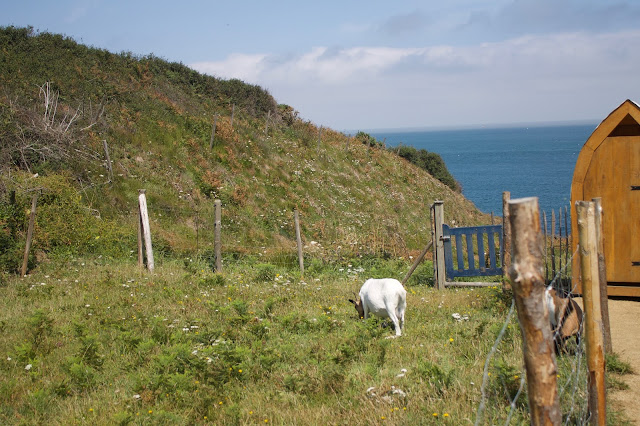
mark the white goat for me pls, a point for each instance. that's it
(384, 298)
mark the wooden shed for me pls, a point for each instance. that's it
(608, 167)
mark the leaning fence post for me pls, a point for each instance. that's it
(296, 221)
(592, 310)
(217, 237)
(602, 274)
(528, 283)
(146, 230)
(417, 262)
(32, 222)
(438, 208)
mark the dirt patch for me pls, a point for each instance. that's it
(624, 317)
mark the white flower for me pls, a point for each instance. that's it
(28, 367)
(136, 396)
(8, 358)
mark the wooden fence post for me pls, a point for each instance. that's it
(592, 310)
(266, 122)
(106, 153)
(602, 274)
(146, 230)
(438, 208)
(217, 235)
(140, 243)
(296, 221)
(528, 283)
(32, 223)
(213, 131)
(506, 241)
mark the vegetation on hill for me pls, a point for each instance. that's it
(60, 101)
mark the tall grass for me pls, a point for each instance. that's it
(86, 341)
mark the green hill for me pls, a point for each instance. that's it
(61, 101)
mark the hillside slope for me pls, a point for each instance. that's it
(61, 101)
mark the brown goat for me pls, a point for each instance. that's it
(566, 319)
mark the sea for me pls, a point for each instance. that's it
(527, 160)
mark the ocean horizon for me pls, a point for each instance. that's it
(528, 160)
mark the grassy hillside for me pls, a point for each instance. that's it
(60, 100)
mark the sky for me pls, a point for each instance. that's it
(371, 65)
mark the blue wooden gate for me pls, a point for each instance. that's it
(471, 259)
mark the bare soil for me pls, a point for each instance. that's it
(624, 318)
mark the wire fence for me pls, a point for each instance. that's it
(503, 387)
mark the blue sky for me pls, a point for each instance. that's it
(363, 65)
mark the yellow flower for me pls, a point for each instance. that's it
(239, 371)
(445, 415)
(435, 414)
(150, 411)
(451, 339)
(91, 410)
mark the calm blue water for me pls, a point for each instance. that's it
(535, 161)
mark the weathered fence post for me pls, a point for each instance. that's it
(528, 284)
(506, 241)
(438, 208)
(32, 223)
(140, 243)
(213, 131)
(296, 221)
(217, 235)
(602, 274)
(146, 230)
(106, 153)
(266, 122)
(592, 310)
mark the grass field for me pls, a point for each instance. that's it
(86, 341)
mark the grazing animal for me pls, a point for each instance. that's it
(565, 316)
(384, 298)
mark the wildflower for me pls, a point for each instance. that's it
(136, 396)
(150, 411)
(451, 339)
(28, 367)
(435, 414)
(239, 371)
(445, 415)
(91, 410)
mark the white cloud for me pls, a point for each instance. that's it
(244, 67)
(539, 77)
